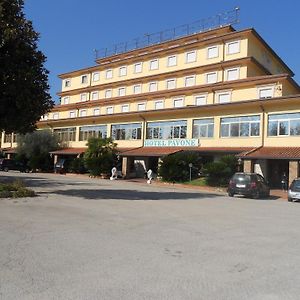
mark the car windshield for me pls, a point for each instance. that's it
(296, 184)
(242, 177)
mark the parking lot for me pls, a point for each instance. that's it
(84, 238)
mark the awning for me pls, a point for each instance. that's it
(272, 153)
(69, 151)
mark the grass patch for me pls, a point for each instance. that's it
(15, 189)
(197, 182)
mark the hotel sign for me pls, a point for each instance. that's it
(172, 143)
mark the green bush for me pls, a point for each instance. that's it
(219, 172)
(77, 166)
(15, 189)
(175, 167)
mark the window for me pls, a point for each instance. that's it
(265, 92)
(67, 82)
(84, 79)
(83, 113)
(83, 97)
(167, 130)
(137, 89)
(141, 106)
(65, 134)
(109, 74)
(96, 111)
(46, 117)
(126, 131)
(233, 47)
(55, 116)
(171, 84)
(159, 104)
(123, 71)
(121, 91)
(153, 64)
(232, 74)
(152, 86)
(211, 77)
(7, 137)
(95, 95)
(203, 128)
(172, 61)
(223, 97)
(138, 67)
(284, 124)
(109, 110)
(240, 126)
(96, 76)
(190, 80)
(108, 93)
(125, 108)
(178, 102)
(66, 100)
(97, 131)
(213, 52)
(72, 114)
(190, 57)
(201, 100)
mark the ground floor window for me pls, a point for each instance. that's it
(284, 124)
(167, 130)
(66, 134)
(242, 126)
(87, 132)
(126, 131)
(203, 128)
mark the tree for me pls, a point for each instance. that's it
(100, 156)
(175, 167)
(35, 148)
(24, 95)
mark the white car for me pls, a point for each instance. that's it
(294, 190)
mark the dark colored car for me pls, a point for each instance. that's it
(248, 184)
(10, 164)
(294, 190)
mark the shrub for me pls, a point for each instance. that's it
(219, 172)
(16, 190)
(77, 166)
(175, 167)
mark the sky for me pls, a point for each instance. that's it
(70, 30)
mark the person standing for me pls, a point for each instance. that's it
(284, 182)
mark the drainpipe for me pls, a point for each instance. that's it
(263, 126)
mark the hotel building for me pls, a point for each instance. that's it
(217, 92)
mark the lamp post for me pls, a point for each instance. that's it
(190, 166)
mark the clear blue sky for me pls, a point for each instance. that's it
(71, 29)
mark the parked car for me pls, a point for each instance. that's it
(10, 164)
(294, 190)
(248, 184)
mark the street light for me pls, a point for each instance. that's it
(190, 166)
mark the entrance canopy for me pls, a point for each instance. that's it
(288, 153)
(68, 151)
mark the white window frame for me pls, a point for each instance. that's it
(67, 82)
(193, 77)
(83, 97)
(159, 102)
(207, 76)
(151, 68)
(139, 86)
(140, 70)
(153, 83)
(170, 62)
(96, 76)
(237, 69)
(220, 93)
(93, 97)
(203, 96)
(72, 114)
(124, 108)
(84, 81)
(109, 110)
(194, 52)
(66, 100)
(228, 47)
(176, 100)
(122, 71)
(139, 105)
(55, 116)
(170, 80)
(83, 113)
(211, 48)
(107, 72)
(108, 91)
(96, 110)
(122, 91)
(265, 87)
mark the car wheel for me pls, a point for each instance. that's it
(256, 195)
(230, 194)
(5, 169)
(290, 199)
